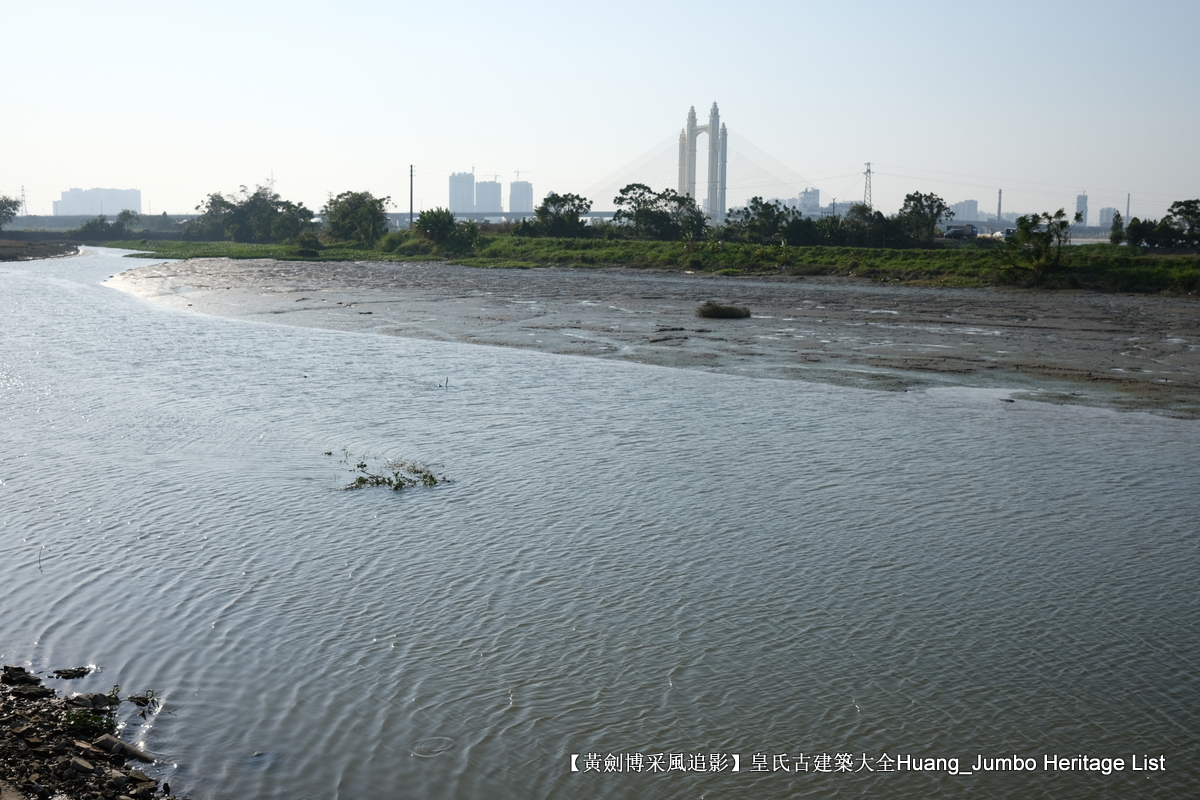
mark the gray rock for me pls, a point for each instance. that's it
(93, 700)
(112, 744)
(79, 765)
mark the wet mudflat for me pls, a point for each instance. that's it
(1089, 348)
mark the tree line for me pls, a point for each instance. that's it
(9, 206)
(261, 216)
(1179, 228)
(643, 213)
(666, 215)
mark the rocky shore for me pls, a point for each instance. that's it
(64, 747)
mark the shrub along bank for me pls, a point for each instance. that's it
(1107, 267)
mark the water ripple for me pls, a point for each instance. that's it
(693, 563)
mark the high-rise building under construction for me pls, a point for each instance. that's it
(520, 197)
(462, 192)
(487, 197)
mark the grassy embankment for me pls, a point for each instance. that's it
(178, 249)
(1098, 266)
(27, 251)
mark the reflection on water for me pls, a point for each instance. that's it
(631, 560)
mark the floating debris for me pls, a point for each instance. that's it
(391, 473)
(71, 674)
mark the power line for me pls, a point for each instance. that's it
(992, 181)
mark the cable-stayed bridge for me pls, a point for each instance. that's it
(736, 170)
(742, 171)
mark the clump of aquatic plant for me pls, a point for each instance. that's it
(394, 474)
(714, 310)
(90, 723)
(148, 702)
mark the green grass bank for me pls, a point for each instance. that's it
(1095, 266)
(11, 250)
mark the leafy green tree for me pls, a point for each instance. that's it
(261, 216)
(94, 230)
(831, 231)
(1166, 233)
(357, 216)
(864, 227)
(921, 214)
(9, 206)
(1185, 215)
(127, 219)
(802, 231)
(437, 225)
(1039, 241)
(637, 204)
(664, 215)
(210, 225)
(560, 215)
(100, 229)
(1138, 231)
(466, 236)
(1116, 233)
(761, 221)
(686, 216)
(449, 234)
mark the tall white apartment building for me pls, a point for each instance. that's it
(462, 192)
(94, 202)
(520, 197)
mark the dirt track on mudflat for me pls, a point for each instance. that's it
(1126, 351)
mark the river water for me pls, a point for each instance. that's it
(631, 561)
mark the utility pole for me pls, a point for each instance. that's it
(867, 187)
(410, 196)
(1127, 208)
(999, 207)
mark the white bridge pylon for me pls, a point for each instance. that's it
(718, 155)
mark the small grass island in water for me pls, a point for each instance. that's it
(392, 473)
(715, 310)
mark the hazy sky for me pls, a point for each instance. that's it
(1043, 99)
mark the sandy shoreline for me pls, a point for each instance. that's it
(1133, 352)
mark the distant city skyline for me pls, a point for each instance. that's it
(230, 94)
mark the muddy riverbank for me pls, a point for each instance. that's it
(12, 250)
(1133, 352)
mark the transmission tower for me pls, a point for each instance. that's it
(24, 205)
(867, 186)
